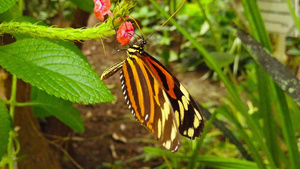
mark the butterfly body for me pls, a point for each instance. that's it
(156, 98)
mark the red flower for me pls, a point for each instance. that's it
(102, 8)
(125, 33)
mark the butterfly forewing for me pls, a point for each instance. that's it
(187, 113)
(148, 101)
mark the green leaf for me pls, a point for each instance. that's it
(55, 69)
(220, 162)
(6, 4)
(278, 72)
(5, 127)
(86, 5)
(222, 59)
(47, 105)
(217, 162)
(11, 14)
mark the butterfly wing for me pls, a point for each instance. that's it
(187, 113)
(148, 101)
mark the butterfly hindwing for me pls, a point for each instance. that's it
(148, 101)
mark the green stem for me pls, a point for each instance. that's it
(12, 101)
(193, 159)
(28, 104)
(105, 29)
(56, 33)
(287, 129)
(13, 96)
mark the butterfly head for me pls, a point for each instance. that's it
(138, 46)
(140, 43)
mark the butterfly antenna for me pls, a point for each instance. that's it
(168, 18)
(137, 26)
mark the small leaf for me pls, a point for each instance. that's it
(6, 4)
(293, 51)
(47, 105)
(55, 69)
(5, 127)
(222, 59)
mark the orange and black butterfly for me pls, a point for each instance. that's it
(156, 98)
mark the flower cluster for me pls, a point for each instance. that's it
(125, 31)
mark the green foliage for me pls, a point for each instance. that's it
(57, 70)
(5, 5)
(85, 5)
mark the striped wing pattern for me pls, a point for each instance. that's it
(148, 102)
(158, 100)
(187, 113)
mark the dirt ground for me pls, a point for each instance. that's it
(111, 132)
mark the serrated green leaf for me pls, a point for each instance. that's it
(86, 5)
(5, 127)
(6, 4)
(46, 105)
(34, 21)
(55, 69)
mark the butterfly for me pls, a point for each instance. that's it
(156, 98)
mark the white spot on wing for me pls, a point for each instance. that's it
(196, 122)
(185, 102)
(175, 149)
(198, 114)
(191, 132)
(181, 110)
(185, 92)
(176, 113)
(166, 110)
(173, 132)
(146, 117)
(159, 129)
(167, 144)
